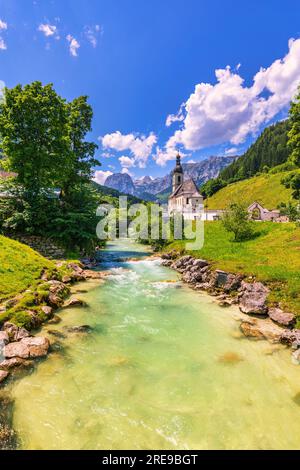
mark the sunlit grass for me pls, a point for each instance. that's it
(273, 257)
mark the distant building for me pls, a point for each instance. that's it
(258, 212)
(185, 198)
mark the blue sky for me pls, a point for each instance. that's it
(139, 61)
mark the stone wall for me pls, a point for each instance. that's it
(44, 246)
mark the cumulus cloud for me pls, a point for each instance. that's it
(100, 176)
(73, 45)
(229, 111)
(126, 162)
(176, 117)
(139, 146)
(48, 30)
(92, 33)
(3, 25)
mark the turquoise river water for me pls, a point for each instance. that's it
(164, 368)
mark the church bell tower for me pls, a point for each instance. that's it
(177, 177)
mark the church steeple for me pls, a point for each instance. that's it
(177, 177)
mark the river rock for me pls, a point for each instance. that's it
(66, 279)
(8, 364)
(3, 375)
(55, 320)
(90, 274)
(4, 338)
(78, 329)
(36, 346)
(74, 302)
(14, 332)
(183, 262)
(167, 262)
(261, 329)
(47, 310)
(283, 318)
(291, 337)
(296, 357)
(58, 291)
(192, 277)
(253, 298)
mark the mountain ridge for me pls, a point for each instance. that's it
(147, 188)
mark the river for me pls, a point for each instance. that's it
(164, 368)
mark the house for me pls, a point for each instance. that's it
(185, 198)
(258, 212)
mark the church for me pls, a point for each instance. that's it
(185, 198)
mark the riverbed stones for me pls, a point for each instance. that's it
(13, 362)
(47, 310)
(58, 291)
(78, 329)
(253, 298)
(74, 302)
(14, 332)
(261, 329)
(282, 318)
(291, 338)
(32, 347)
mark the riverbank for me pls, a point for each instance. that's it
(272, 257)
(258, 319)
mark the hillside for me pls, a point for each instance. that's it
(270, 149)
(20, 267)
(265, 189)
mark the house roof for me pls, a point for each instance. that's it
(187, 188)
(7, 174)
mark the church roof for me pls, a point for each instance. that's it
(187, 188)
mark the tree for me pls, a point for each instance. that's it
(292, 181)
(236, 220)
(34, 138)
(294, 133)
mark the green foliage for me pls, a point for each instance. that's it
(236, 220)
(269, 151)
(292, 181)
(43, 139)
(292, 211)
(212, 186)
(294, 133)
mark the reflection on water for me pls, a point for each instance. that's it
(164, 367)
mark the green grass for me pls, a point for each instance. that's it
(265, 189)
(273, 257)
(20, 267)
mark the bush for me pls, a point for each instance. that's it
(236, 220)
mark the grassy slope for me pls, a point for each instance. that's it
(265, 189)
(273, 257)
(20, 267)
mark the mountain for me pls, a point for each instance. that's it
(152, 189)
(122, 182)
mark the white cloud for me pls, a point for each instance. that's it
(48, 30)
(228, 111)
(126, 171)
(91, 33)
(231, 151)
(100, 176)
(140, 147)
(3, 25)
(191, 161)
(3, 45)
(126, 162)
(73, 45)
(176, 117)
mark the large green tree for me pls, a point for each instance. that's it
(34, 136)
